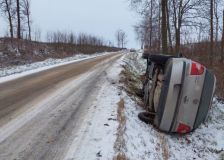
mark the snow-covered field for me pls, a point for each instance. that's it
(13, 72)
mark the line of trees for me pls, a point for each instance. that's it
(80, 39)
(167, 25)
(18, 16)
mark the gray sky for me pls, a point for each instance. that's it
(97, 17)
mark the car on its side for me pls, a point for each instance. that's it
(178, 93)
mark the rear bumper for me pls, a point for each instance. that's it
(185, 100)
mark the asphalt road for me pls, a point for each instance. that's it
(40, 113)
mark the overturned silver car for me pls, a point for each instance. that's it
(178, 93)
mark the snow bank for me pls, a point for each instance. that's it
(135, 62)
(142, 141)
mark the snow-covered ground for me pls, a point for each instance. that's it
(99, 135)
(144, 142)
(13, 72)
(139, 141)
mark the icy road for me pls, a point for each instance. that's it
(41, 113)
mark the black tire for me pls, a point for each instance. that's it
(146, 117)
(146, 95)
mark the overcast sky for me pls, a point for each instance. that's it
(98, 17)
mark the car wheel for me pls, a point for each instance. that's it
(146, 117)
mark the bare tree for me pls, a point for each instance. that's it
(184, 13)
(18, 12)
(118, 38)
(8, 10)
(49, 37)
(222, 46)
(140, 32)
(216, 14)
(164, 27)
(200, 32)
(151, 23)
(169, 28)
(149, 29)
(159, 26)
(37, 34)
(121, 38)
(27, 14)
(211, 30)
(72, 38)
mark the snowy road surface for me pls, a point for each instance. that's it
(45, 115)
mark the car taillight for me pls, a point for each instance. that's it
(183, 128)
(197, 68)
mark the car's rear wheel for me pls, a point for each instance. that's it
(146, 117)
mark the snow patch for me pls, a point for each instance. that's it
(141, 139)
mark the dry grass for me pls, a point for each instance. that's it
(164, 146)
(131, 84)
(119, 144)
(120, 112)
(19, 52)
(120, 157)
(218, 69)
